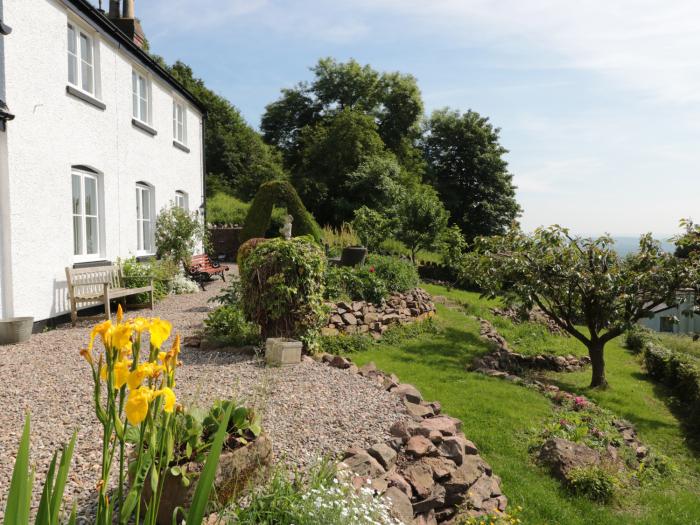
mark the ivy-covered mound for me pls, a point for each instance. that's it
(282, 193)
(282, 289)
(592, 452)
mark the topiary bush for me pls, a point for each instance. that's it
(247, 247)
(282, 289)
(257, 221)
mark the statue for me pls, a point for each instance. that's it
(286, 230)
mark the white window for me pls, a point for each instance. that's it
(181, 200)
(179, 122)
(81, 63)
(144, 218)
(141, 90)
(86, 214)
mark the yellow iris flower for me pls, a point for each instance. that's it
(143, 371)
(87, 355)
(121, 373)
(170, 360)
(137, 405)
(160, 331)
(119, 336)
(99, 329)
(140, 324)
(168, 399)
(120, 313)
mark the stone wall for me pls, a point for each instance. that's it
(428, 470)
(361, 317)
(503, 360)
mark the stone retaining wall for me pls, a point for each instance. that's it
(361, 317)
(428, 470)
(503, 360)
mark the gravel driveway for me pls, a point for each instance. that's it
(308, 410)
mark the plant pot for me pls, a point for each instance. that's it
(238, 469)
(15, 330)
(353, 255)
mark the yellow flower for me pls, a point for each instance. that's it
(137, 405)
(160, 331)
(99, 329)
(170, 360)
(121, 373)
(119, 336)
(168, 399)
(161, 356)
(87, 355)
(140, 324)
(141, 372)
(120, 313)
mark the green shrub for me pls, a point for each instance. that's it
(356, 284)
(637, 338)
(594, 483)
(372, 227)
(226, 209)
(338, 238)
(344, 344)
(137, 274)
(228, 325)
(178, 232)
(282, 289)
(399, 275)
(656, 361)
(257, 221)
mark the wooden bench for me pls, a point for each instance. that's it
(93, 285)
(202, 269)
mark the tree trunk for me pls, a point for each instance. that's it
(595, 352)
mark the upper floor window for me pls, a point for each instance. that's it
(145, 203)
(86, 213)
(181, 200)
(81, 59)
(179, 122)
(141, 90)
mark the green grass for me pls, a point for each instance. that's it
(497, 416)
(681, 343)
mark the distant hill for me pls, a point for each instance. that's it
(625, 245)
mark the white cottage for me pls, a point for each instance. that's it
(678, 318)
(95, 138)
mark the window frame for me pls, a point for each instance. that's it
(141, 249)
(75, 56)
(182, 200)
(138, 96)
(179, 105)
(83, 217)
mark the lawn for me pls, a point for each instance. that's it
(497, 416)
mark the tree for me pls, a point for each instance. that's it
(235, 154)
(582, 284)
(372, 227)
(689, 242)
(333, 149)
(422, 218)
(465, 164)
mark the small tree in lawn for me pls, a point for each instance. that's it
(582, 284)
(422, 218)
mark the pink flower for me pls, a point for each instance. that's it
(580, 402)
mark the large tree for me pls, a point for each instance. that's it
(421, 219)
(465, 164)
(581, 283)
(237, 159)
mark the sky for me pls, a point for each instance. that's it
(598, 102)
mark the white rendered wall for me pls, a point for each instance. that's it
(53, 131)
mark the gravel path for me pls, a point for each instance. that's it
(308, 410)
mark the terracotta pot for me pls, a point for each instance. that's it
(237, 470)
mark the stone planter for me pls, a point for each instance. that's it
(353, 255)
(15, 330)
(280, 351)
(237, 470)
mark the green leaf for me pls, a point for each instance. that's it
(73, 515)
(206, 479)
(154, 479)
(132, 434)
(43, 516)
(61, 477)
(134, 494)
(18, 498)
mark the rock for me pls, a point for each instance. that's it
(442, 468)
(464, 476)
(397, 480)
(561, 456)
(349, 319)
(417, 411)
(364, 465)
(435, 500)
(368, 369)
(484, 488)
(435, 436)
(446, 425)
(420, 476)
(371, 317)
(193, 341)
(436, 406)
(400, 504)
(419, 446)
(336, 319)
(426, 518)
(408, 392)
(403, 429)
(453, 448)
(384, 454)
(329, 332)
(340, 362)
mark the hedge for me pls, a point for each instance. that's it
(680, 372)
(282, 193)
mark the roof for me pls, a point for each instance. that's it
(104, 23)
(661, 307)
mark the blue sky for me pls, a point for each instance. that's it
(598, 105)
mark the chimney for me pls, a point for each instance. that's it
(113, 9)
(127, 22)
